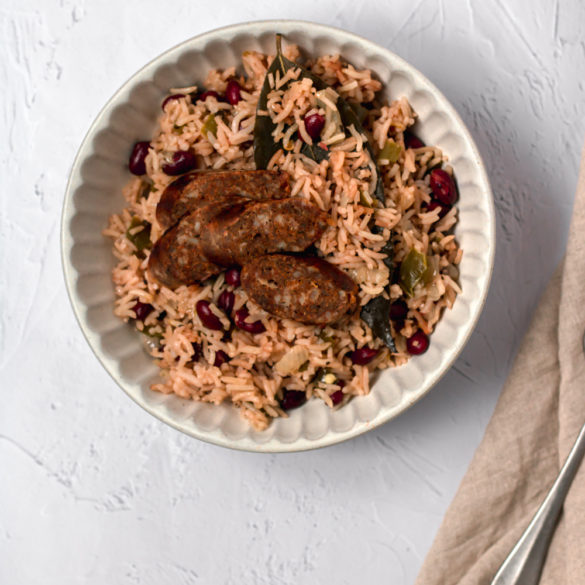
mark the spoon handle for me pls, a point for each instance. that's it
(524, 564)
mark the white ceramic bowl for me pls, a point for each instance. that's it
(94, 192)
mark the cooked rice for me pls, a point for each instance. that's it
(343, 186)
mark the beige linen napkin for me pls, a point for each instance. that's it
(535, 423)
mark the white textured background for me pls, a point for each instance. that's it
(92, 489)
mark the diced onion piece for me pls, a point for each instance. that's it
(292, 360)
(333, 130)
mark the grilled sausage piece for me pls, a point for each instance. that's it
(308, 290)
(189, 191)
(177, 257)
(255, 229)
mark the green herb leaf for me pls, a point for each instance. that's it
(264, 145)
(349, 117)
(388, 249)
(376, 314)
(429, 273)
(315, 152)
(364, 199)
(412, 271)
(360, 111)
(144, 190)
(140, 239)
(390, 152)
(209, 126)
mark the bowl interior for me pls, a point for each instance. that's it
(94, 192)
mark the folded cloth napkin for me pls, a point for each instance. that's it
(534, 426)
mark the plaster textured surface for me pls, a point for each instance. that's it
(93, 489)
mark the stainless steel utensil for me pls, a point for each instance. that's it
(524, 564)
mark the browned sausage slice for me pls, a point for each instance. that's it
(255, 229)
(308, 290)
(193, 189)
(177, 257)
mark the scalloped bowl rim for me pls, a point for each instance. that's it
(67, 240)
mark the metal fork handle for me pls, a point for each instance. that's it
(524, 564)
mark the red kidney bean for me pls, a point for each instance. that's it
(293, 399)
(443, 186)
(232, 277)
(221, 357)
(398, 310)
(226, 301)
(209, 93)
(314, 124)
(434, 204)
(208, 318)
(363, 356)
(232, 92)
(181, 162)
(171, 98)
(241, 323)
(336, 397)
(137, 160)
(417, 343)
(197, 351)
(412, 141)
(142, 310)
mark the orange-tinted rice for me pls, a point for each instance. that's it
(255, 377)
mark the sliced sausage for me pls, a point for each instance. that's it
(202, 216)
(191, 190)
(177, 257)
(308, 290)
(255, 229)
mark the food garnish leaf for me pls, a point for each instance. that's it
(364, 200)
(360, 111)
(140, 239)
(265, 147)
(412, 270)
(388, 249)
(209, 126)
(391, 152)
(144, 190)
(315, 152)
(376, 314)
(429, 273)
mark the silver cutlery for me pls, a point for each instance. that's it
(523, 565)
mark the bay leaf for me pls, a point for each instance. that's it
(376, 314)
